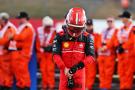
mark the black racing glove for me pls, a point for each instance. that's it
(120, 49)
(73, 69)
(70, 83)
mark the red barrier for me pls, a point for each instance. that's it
(35, 22)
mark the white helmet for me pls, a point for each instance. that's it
(4, 16)
(47, 21)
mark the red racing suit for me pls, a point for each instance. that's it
(91, 69)
(45, 56)
(69, 51)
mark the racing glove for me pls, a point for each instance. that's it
(70, 83)
(76, 67)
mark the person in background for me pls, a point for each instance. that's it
(73, 49)
(45, 35)
(106, 55)
(120, 40)
(22, 55)
(130, 46)
(91, 69)
(7, 29)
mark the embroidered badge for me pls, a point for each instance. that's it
(66, 45)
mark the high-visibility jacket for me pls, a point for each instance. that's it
(25, 38)
(6, 77)
(106, 58)
(44, 44)
(5, 32)
(121, 37)
(45, 39)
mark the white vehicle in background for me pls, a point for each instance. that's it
(99, 25)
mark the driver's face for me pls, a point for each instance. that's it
(75, 29)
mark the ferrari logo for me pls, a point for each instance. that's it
(66, 45)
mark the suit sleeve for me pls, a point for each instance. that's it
(89, 50)
(38, 44)
(57, 52)
(96, 37)
(89, 47)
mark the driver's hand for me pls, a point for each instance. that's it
(66, 71)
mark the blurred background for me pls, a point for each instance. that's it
(95, 9)
(98, 10)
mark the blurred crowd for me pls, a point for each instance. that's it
(16, 47)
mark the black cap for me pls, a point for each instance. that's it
(23, 15)
(89, 22)
(125, 14)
